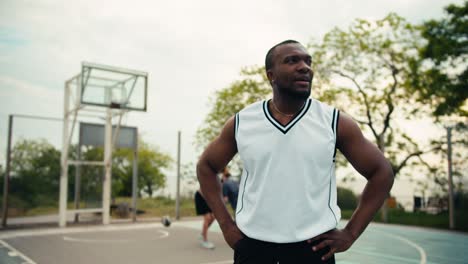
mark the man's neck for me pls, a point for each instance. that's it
(287, 106)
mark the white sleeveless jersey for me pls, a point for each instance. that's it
(288, 186)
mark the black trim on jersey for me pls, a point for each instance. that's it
(292, 122)
(336, 132)
(333, 127)
(333, 120)
(236, 124)
(243, 191)
(329, 199)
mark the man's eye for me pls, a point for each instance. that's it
(291, 60)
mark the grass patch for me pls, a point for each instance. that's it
(161, 206)
(47, 210)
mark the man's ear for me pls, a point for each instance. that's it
(270, 76)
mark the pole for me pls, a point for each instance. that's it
(6, 179)
(178, 177)
(64, 160)
(78, 183)
(450, 181)
(135, 179)
(106, 184)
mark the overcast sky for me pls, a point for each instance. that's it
(189, 48)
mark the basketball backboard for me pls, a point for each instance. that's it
(113, 87)
(93, 135)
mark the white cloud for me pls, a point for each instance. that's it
(13, 87)
(22, 97)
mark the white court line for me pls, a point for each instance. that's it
(84, 240)
(421, 251)
(73, 230)
(12, 249)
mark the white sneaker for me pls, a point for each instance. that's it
(207, 244)
(200, 238)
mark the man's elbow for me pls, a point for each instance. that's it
(382, 173)
(387, 174)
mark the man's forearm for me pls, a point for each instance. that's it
(211, 189)
(372, 198)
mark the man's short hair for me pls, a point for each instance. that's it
(269, 56)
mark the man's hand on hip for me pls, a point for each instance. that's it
(336, 240)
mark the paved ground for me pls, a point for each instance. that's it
(153, 243)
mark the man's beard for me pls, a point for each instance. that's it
(294, 94)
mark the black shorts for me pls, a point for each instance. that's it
(200, 204)
(252, 251)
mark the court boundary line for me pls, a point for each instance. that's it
(73, 230)
(422, 252)
(12, 249)
(117, 241)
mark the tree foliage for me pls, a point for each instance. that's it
(252, 87)
(347, 200)
(151, 165)
(35, 173)
(444, 82)
(366, 71)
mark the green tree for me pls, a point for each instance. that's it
(347, 200)
(444, 81)
(252, 87)
(91, 177)
(151, 176)
(151, 165)
(35, 173)
(366, 70)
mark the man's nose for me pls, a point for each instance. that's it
(304, 67)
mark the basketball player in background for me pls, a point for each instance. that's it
(287, 211)
(202, 208)
(230, 189)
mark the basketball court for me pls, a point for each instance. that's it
(178, 244)
(106, 93)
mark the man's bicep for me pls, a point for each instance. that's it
(360, 152)
(219, 152)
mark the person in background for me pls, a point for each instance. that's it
(202, 208)
(230, 189)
